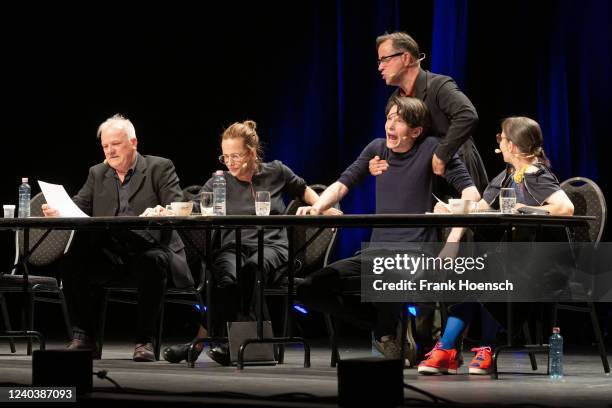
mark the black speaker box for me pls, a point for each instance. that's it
(370, 382)
(63, 368)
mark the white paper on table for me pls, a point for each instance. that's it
(58, 199)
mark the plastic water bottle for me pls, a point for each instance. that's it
(25, 191)
(219, 193)
(555, 354)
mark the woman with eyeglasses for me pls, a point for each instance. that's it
(528, 173)
(246, 174)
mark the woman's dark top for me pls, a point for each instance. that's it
(533, 190)
(274, 177)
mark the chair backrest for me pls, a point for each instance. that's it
(312, 245)
(588, 199)
(195, 242)
(192, 193)
(195, 249)
(53, 246)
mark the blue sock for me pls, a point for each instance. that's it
(454, 327)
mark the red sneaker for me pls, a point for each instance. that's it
(439, 361)
(481, 363)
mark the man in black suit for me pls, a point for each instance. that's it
(127, 183)
(453, 117)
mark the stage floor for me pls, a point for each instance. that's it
(583, 385)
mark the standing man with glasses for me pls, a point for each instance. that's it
(453, 117)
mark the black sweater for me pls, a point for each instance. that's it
(406, 186)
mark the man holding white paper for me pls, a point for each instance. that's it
(125, 184)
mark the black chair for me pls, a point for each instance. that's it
(588, 199)
(313, 247)
(37, 288)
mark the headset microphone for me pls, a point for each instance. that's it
(498, 151)
(418, 60)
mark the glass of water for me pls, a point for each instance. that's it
(262, 203)
(507, 200)
(206, 203)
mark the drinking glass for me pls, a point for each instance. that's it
(169, 209)
(507, 200)
(262, 203)
(206, 203)
(9, 210)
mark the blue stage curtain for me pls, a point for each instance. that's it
(574, 84)
(449, 39)
(333, 101)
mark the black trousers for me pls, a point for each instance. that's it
(123, 259)
(322, 291)
(236, 295)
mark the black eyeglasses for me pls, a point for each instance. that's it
(388, 58)
(225, 158)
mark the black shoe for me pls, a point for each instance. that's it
(177, 353)
(220, 355)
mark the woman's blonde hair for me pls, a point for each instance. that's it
(247, 132)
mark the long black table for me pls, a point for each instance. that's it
(240, 222)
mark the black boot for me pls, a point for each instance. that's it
(220, 354)
(178, 352)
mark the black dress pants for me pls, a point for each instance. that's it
(238, 288)
(322, 291)
(122, 259)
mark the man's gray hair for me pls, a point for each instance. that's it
(118, 121)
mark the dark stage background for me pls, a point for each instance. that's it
(305, 71)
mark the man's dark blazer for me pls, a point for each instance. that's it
(154, 182)
(453, 119)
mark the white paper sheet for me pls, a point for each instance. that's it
(57, 198)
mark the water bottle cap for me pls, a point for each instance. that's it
(24, 179)
(219, 172)
(556, 330)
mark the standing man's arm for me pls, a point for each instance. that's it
(463, 120)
